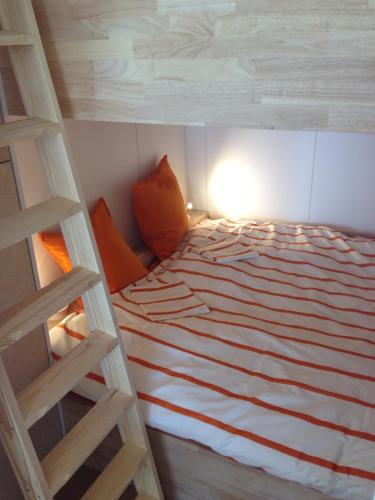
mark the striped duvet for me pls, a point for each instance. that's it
(280, 374)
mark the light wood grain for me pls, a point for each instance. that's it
(191, 471)
(39, 99)
(196, 216)
(144, 496)
(21, 130)
(17, 321)
(61, 463)
(18, 445)
(185, 58)
(8, 38)
(44, 392)
(118, 474)
(90, 50)
(20, 225)
(25, 360)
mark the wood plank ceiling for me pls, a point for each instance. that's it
(284, 64)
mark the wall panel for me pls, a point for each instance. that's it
(110, 158)
(262, 174)
(195, 152)
(344, 180)
(323, 178)
(286, 64)
(107, 161)
(156, 141)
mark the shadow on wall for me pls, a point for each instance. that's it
(109, 158)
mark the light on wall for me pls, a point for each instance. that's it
(231, 189)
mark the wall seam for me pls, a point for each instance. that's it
(138, 155)
(312, 176)
(187, 170)
(205, 168)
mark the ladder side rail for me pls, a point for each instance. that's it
(17, 443)
(30, 65)
(146, 477)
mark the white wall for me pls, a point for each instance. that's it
(344, 181)
(109, 158)
(325, 178)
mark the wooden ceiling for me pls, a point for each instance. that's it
(283, 64)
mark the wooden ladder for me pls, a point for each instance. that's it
(119, 405)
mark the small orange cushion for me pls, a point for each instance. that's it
(160, 210)
(55, 244)
(121, 265)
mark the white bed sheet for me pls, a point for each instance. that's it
(280, 374)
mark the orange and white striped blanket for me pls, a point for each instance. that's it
(163, 300)
(226, 251)
(280, 374)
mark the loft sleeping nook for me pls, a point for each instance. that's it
(187, 250)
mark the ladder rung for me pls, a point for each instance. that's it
(11, 38)
(52, 385)
(62, 462)
(21, 130)
(17, 321)
(144, 496)
(117, 476)
(20, 225)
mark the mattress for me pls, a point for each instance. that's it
(280, 373)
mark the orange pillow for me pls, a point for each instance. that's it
(160, 210)
(121, 265)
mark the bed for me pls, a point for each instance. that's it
(279, 375)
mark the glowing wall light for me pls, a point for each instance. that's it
(231, 189)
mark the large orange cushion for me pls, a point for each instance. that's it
(160, 210)
(121, 265)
